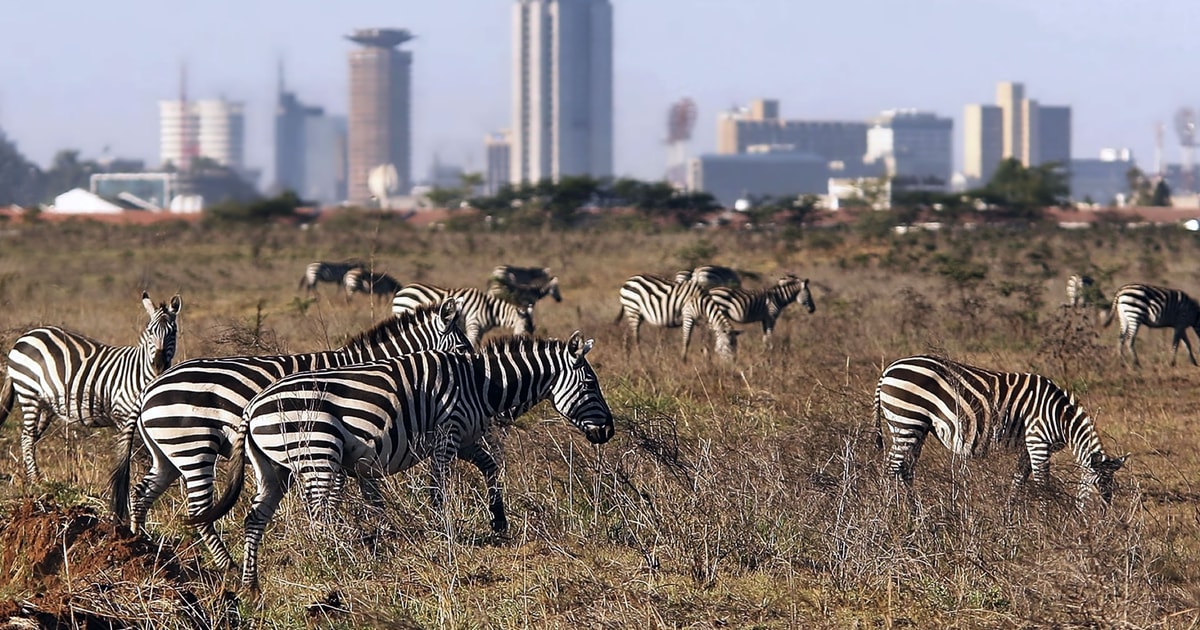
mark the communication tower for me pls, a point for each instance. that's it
(1185, 128)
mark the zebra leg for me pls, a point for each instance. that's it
(445, 453)
(36, 418)
(273, 483)
(199, 484)
(768, 326)
(1019, 478)
(477, 454)
(1181, 335)
(372, 491)
(688, 323)
(1132, 348)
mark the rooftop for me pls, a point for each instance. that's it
(380, 37)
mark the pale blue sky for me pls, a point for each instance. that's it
(87, 74)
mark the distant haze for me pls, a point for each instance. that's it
(84, 75)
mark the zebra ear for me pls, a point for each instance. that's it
(450, 310)
(578, 348)
(147, 303)
(176, 304)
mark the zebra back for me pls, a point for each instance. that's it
(359, 280)
(709, 276)
(324, 271)
(480, 311)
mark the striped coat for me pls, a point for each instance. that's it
(764, 305)
(1137, 305)
(673, 305)
(480, 312)
(53, 372)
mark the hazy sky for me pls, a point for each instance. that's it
(89, 75)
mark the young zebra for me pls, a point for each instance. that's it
(54, 372)
(192, 413)
(709, 276)
(672, 305)
(970, 409)
(523, 285)
(359, 280)
(384, 417)
(333, 272)
(764, 305)
(1139, 305)
(480, 312)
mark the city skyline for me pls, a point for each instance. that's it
(1084, 55)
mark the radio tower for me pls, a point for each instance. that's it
(1185, 127)
(681, 118)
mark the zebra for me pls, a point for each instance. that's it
(672, 305)
(190, 414)
(970, 409)
(1078, 288)
(523, 285)
(360, 280)
(1139, 305)
(709, 276)
(328, 272)
(764, 305)
(480, 313)
(380, 418)
(54, 372)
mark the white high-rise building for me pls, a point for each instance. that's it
(214, 129)
(562, 89)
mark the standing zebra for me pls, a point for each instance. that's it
(764, 305)
(709, 276)
(192, 413)
(380, 418)
(480, 312)
(970, 409)
(523, 285)
(359, 280)
(1139, 305)
(55, 372)
(671, 305)
(333, 272)
(1078, 289)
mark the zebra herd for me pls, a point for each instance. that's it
(422, 385)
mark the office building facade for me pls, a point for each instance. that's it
(562, 89)
(914, 146)
(214, 129)
(379, 125)
(498, 158)
(843, 143)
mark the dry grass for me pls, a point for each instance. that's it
(736, 495)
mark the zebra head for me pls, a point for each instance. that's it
(804, 297)
(158, 340)
(575, 392)
(552, 289)
(727, 343)
(1098, 476)
(522, 321)
(451, 337)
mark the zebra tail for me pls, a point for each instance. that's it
(1108, 317)
(878, 422)
(222, 506)
(8, 397)
(118, 482)
(620, 315)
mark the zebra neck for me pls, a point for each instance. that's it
(508, 387)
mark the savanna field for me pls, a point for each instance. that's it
(735, 494)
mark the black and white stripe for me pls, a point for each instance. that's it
(1137, 305)
(764, 305)
(709, 276)
(480, 312)
(192, 413)
(359, 280)
(672, 305)
(971, 409)
(54, 372)
(384, 417)
(523, 285)
(324, 271)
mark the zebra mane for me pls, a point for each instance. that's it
(517, 344)
(388, 328)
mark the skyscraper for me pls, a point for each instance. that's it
(983, 141)
(914, 145)
(310, 150)
(1009, 98)
(499, 161)
(380, 125)
(214, 129)
(562, 89)
(1015, 127)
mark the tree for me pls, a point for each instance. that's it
(1162, 195)
(1026, 191)
(20, 179)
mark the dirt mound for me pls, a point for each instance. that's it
(76, 569)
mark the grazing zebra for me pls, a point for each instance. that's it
(192, 413)
(1139, 305)
(333, 272)
(970, 409)
(1081, 291)
(709, 276)
(359, 280)
(523, 285)
(55, 372)
(480, 312)
(764, 305)
(671, 305)
(380, 418)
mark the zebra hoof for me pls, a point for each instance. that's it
(500, 524)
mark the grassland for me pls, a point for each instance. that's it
(743, 494)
